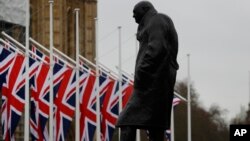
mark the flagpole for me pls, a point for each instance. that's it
(77, 116)
(98, 111)
(27, 105)
(120, 69)
(51, 99)
(120, 73)
(189, 99)
(172, 124)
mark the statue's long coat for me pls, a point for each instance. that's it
(155, 74)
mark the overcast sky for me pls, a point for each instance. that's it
(215, 32)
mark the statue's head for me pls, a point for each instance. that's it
(141, 9)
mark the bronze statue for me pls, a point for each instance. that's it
(149, 107)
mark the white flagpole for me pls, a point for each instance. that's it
(120, 73)
(27, 105)
(189, 99)
(120, 68)
(77, 116)
(98, 111)
(51, 99)
(172, 124)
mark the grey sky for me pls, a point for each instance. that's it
(215, 32)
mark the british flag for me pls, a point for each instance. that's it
(88, 104)
(64, 105)
(109, 110)
(40, 103)
(127, 89)
(110, 107)
(13, 94)
(176, 101)
(64, 101)
(6, 58)
(40, 95)
(88, 109)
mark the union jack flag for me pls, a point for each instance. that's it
(110, 110)
(105, 85)
(40, 103)
(110, 107)
(6, 58)
(88, 104)
(64, 105)
(40, 95)
(176, 101)
(65, 101)
(127, 89)
(13, 94)
(88, 109)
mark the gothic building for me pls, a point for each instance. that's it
(64, 25)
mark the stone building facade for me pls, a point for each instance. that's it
(64, 25)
